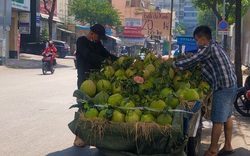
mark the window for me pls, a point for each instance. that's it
(128, 3)
(133, 3)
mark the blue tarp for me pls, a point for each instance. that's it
(189, 42)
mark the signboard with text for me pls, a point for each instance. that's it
(132, 32)
(156, 23)
(21, 4)
(24, 22)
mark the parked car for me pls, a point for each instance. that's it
(37, 48)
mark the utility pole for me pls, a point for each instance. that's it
(238, 43)
(170, 35)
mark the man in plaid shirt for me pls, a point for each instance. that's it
(219, 72)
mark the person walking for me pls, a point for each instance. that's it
(90, 53)
(219, 72)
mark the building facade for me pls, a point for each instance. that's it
(184, 13)
(14, 22)
(131, 17)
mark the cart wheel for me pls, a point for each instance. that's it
(194, 144)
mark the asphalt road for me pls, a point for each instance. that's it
(35, 112)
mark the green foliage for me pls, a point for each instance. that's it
(95, 11)
(44, 35)
(217, 7)
(179, 29)
(202, 17)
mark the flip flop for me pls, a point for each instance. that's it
(226, 152)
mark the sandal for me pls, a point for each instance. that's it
(78, 142)
(222, 152)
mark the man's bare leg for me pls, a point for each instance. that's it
(228, 130)
(216, 132)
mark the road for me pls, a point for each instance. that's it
(35, 113)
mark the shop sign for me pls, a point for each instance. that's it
(21, 4)
(24, 22)
(132, 31)
(156, 23)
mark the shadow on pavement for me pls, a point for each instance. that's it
(240, 152)
(29, 64)
(76, 151)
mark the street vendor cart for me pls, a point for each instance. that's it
(111, 118)
(184, 138)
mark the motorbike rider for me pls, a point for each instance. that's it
(51, 49)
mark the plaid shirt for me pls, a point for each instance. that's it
(216, 67)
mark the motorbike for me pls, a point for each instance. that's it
(242, 101)
(47, 66)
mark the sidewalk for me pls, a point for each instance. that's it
(240, 138)
(29, 61)
(25, 61)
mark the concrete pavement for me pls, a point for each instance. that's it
(241, 135)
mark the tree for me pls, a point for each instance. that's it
(179, 29)
(202, 17)
(44, 35)
(49, 6)
(95, 11)
(217, 7)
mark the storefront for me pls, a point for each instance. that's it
(5, 22)
(132, 39)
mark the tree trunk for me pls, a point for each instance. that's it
(50, 22)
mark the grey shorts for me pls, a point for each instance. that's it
(222, 104)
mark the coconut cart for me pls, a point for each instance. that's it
(174, 129)
(115, 139)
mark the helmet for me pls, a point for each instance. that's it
(50, 43)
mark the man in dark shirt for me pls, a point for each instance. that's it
(219, 72)
(90, 52)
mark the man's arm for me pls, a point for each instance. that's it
(186, 63)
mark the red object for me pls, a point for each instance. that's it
(247, 94)
(18, 42)
(52, 50)
(132, 32)
(138, 79)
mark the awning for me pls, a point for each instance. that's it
(67, 31)
(189, 42)
(45, 16)
(115, 38)
(79, 27)
(133, 41)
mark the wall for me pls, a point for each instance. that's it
(127, 12)
(13, 47)
(245, 40)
